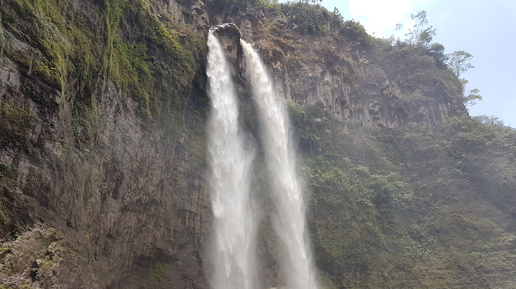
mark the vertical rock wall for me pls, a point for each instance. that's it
(128, 208)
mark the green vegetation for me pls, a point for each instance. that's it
(389, 207)
(420, 37)
(15, 122)
(143, 56)
(307, 17)
(419, 34)
(61, 47)
(458, 61)
(311, 19)
(303, 119)
(318, 21)
(56, 252)
(156, 67)
(23, 286)
(49, 60)
(160, 272)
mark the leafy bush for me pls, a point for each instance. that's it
(302, 121)
(310, 19)
(354, 30)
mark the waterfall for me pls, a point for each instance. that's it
(232, 249)
(289, 221)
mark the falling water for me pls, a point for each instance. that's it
(289, 221)
(234, 229)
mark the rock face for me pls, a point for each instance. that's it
(381, 86)
(229, 37)
(131, 196)
(129, 207)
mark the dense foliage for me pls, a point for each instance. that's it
(388, 205)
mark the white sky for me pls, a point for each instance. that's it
(379, 17)
(486, 29)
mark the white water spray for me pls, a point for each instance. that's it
(289, 221)
(234, 229)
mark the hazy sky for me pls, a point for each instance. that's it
(486, 29)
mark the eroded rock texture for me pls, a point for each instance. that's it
(127, 204)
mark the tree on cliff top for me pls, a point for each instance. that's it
(459, 61)
(419, 34)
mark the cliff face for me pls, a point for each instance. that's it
(357, 78)
(130, 196)
(102, 118)
(120, 196)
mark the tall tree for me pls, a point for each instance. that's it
(419, 34)
(472, 97)
(459, 61)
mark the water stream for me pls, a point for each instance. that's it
(289, 221)
(233, 236)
